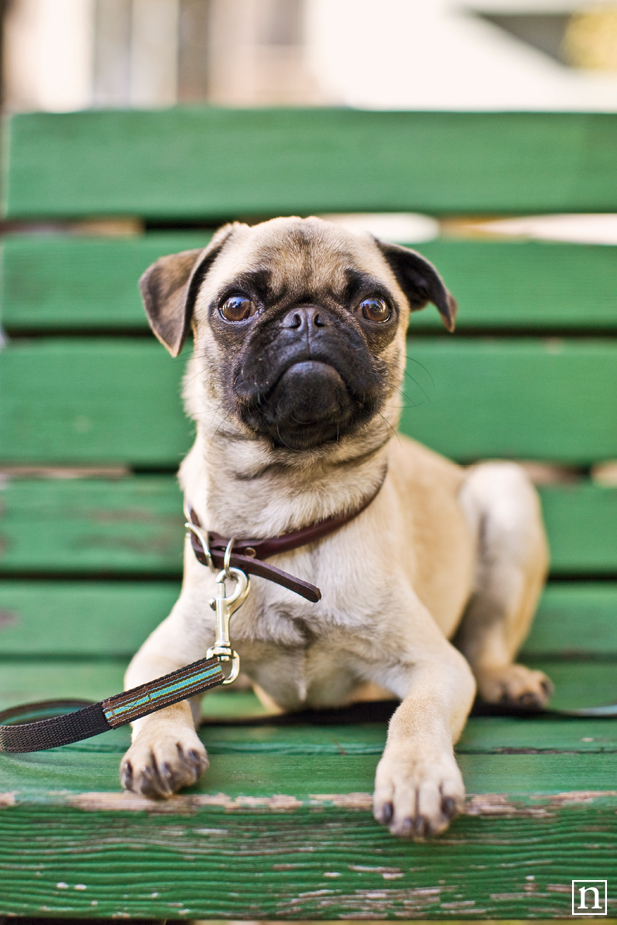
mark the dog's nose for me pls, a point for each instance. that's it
(305, 318)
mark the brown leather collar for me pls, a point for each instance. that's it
(248, 555)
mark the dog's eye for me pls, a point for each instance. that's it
(237, 308)
(376, 310)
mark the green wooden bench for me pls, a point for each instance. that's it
(280, 827)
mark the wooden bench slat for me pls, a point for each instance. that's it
(117, 401)
(77, 618)
(578, 683)
(113, 401)
(526, 284)
(133, 526)
(473, 399)
(581, 528)
(62, 283)
(482, 735)
(112, 619)
(532, 812)
(210, 163)
(577, 618)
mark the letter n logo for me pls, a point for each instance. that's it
(589, 897)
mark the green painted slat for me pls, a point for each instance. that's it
(316, 862)
(77, 618)
(133, 526)
(581, 521)
(577, 684)
(206, 162)
(530, 285)
(50, 679)
(515, 398)
(482, 735)
(47, 618)
(99, 401)
(61, 283)
(117, 401)
(77, 526)
(578, 618)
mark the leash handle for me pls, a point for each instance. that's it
(93, 718)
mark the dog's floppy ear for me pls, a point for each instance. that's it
(169, 288)
(419, 280)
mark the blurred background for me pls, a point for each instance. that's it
(62, 55)
(65, 55)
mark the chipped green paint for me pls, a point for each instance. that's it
(508, 857)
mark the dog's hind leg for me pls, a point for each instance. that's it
(512, 560)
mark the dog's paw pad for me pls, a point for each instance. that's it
(417, 798)
(515, 686)
(162, 767)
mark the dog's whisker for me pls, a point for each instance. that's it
(388, 424)
(281, 439)
(424, 368)
(420, 387)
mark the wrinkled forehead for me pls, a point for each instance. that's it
(308, 256)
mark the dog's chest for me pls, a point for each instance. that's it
(302, 655)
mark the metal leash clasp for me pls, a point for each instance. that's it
(225, 606)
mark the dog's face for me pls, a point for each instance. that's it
(301, 324)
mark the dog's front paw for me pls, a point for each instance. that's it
(159, 766)
(417, 796)
(515, 686)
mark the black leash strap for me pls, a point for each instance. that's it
(90, 719)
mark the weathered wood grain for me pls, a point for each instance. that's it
(103, 619)
(61, 283)
(513, 854)
(124, 526)
(198, 163)
(88, 401)
(133, 526)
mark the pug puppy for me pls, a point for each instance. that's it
(295, 386)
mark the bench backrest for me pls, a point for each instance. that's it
(531, 373)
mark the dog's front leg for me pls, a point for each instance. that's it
(418, 785)
(166, 753)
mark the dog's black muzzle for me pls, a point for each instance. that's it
(307, 378)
